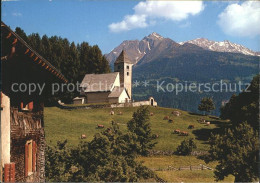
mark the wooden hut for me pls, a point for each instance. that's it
(22, 139)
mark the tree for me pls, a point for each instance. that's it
(73, 61)
(237, 152)
(186, 147)
(244, 107)
(206, 104)
(140, 128)
(107, 158)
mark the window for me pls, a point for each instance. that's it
(30, 157)
(118, 67)
(127, 67)
(27, 107)
(127, 73)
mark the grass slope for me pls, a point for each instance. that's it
(63, 124)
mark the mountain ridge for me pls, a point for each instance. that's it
(148, 48)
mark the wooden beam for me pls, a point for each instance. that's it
(36, 58)
(15, 41)
(9, 35)
(26, 51)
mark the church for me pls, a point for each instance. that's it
(113, 87)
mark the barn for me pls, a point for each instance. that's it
(22, 139)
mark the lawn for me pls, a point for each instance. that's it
(159, 163)
(61, 124)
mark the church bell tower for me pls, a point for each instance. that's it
(123, 65)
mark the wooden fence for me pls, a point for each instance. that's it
(198, 167)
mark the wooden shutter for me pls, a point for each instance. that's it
(34, 156)
(12, 173)
(26, 160)
(7, 173)
(30, 106)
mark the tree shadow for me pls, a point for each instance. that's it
(204, 133)
(195, 114)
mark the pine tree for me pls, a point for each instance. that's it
(140, 127)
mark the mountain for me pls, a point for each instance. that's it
(154, 45)
(136, 49)
(159, 59)
(222, 46)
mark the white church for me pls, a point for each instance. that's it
(113, 87)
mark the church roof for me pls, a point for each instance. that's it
(116, 92)
(98, 82)
(123, 58)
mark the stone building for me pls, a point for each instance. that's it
(22, 139)
(113, 87)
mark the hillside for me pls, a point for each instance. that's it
(159, 59)
(70, 124)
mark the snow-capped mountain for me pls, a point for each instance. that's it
(155, 46)
(221, 46)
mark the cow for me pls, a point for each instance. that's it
(183, 133)
(176, 113)
(190, 126)
(151, 113)
(155, 136)
(201, 120)
(177, 131)
(112, 113)
(207, 123)
(170, 121)
(166, 118)
(83, 136)
(100, 126)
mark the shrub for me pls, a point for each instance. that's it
(186, 147)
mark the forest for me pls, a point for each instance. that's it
(73, 60)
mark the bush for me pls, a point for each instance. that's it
(186, 147)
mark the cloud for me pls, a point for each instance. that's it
(241, 19)
(148, 12)
(16, 14)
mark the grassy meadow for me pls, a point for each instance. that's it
(61, 124)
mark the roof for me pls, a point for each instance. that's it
(123, 58)
(98, 82)
(116, 92)
(33, 55)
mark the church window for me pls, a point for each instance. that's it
(127, 67)
(127, 73)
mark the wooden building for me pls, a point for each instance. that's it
(22, 139)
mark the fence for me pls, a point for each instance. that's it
(191, 167)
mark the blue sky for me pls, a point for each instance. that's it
(108, 23)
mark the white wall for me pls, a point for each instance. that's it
(5, 135)
(122, 97)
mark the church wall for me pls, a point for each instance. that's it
(128, 78)
(98, 97)
(122, 97)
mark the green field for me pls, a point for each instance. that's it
(63, 124)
